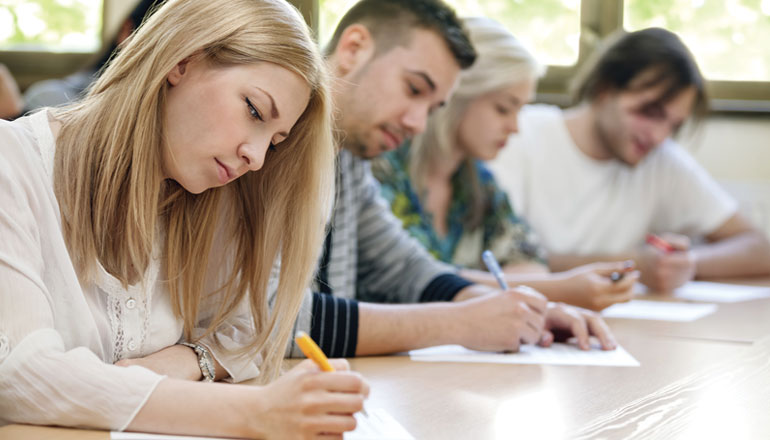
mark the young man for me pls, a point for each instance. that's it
(393, 62)
(595, 179)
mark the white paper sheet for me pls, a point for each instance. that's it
(717, 292)
(114, 435)
(557, 354)
(378, 425)
(659, 310)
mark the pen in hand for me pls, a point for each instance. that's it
(494, 268)
(618, 275)
(313, 352)
(659, 243)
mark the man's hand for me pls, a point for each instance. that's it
(664, 271)
(502, 320)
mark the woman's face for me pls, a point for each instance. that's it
(220, 121)
(490, 118)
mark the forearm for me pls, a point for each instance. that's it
(392, 328)
(563, 262)
(207, 409)
(743, 254)
(529, 267)
(176, 361)
(550, 285)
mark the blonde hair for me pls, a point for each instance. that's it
(502, 61)
(113, 199)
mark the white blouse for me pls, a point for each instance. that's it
(58, 338)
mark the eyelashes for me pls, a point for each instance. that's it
(258, 116)
(253, 111)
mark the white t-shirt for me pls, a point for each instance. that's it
(579, 205)
(58, 338)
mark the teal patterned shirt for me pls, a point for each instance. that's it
(508, 237)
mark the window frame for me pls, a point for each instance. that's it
(32, 66)
(598, 19)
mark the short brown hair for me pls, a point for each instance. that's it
(390, 23)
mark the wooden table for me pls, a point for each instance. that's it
(705, 379)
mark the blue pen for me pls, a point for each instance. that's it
(491, 262)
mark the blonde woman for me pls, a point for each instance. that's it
(151, 214)
(446, 197)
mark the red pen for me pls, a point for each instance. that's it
(659, 243)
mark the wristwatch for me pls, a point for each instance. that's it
(205, 361)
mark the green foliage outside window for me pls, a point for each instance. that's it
(550, 28)
(728, 38)
(50, 25)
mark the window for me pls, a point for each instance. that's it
(551, 28)
(727, 37)
(50, 25)
(42, 39)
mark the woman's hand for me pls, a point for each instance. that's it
(306, 402)
(563, 321)
(177, 362)
(591, 287)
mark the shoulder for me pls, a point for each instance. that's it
(19, 147)
(391, 167)
(672, 157)
(54, 92)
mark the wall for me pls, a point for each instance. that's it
(736, 151)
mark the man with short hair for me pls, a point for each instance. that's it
(595, 179)
(394, 61)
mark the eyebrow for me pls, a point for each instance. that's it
(424, 76)
(514, 100)
(274, 112)
(273, 109)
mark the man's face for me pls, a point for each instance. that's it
(384, 99)
(632, 123)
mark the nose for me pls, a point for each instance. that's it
(659, 132)
(415, 118)
(512, 124)
(253, 153)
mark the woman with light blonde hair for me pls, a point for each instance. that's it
(447, 198)
(137, 246)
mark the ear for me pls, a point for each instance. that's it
(354, 49)
(176, 74)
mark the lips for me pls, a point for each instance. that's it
(392, 140)
(641, 149)
(223, 172)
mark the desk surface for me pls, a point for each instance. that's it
(688, 386)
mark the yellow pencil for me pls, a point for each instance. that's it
(313, 351)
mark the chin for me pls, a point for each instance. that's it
(193, 188)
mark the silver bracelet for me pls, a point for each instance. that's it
(205, 361)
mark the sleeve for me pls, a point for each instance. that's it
(392, 266)
(237, 330)
(42, 381)
(332, 322)
(691, 201)
(508, 236)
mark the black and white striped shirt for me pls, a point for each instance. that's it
(367, 257)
